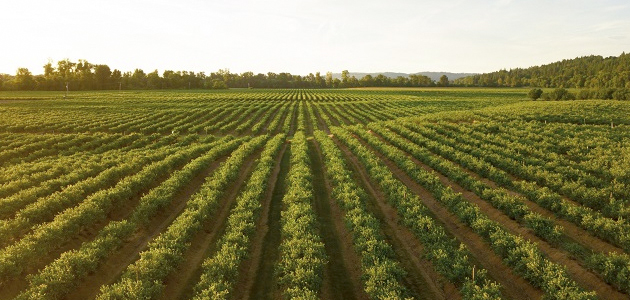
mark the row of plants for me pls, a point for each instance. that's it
(282, 113)
(68, 223)
(381, 270)
(60, 277)
(521, 255)
(92, 173)
(302, 254)
(616, 232)
(259, 126)
(595, 197)
(260, 117)
(220, 271)
(510, 205)
(541, 226)
(450, 258)
(144, 279)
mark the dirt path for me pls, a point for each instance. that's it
(514, 286)
(112, 268)
(260, 280)
(421, 279)
(248, 269)
(342, 277)
(181, 281)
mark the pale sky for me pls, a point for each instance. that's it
(301, 37)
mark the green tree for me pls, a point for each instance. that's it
(329, 79)
(443, 80)
(102, 76)
(534, 94)
(218, 84)
(344, 78)
(24, 79)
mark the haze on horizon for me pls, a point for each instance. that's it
(302, 37)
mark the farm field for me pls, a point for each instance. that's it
(313, 194)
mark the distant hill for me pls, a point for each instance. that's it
(435, 76)
(593, 71)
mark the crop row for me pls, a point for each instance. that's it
(220, 271)
(62, 275)
(512, 207)
(448, 257)
(382, 271)
(144, 278)
(302, 252)
(16, 257)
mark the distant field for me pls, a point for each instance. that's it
(382, 193)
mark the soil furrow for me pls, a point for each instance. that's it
(249, 268)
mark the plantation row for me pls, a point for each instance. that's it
(236, 113)
(358, 199)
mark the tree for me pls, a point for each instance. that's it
(102, 76)
(344, 78)
(24, 79)
(154, 81)
(329, 79)
(443, 80)
(218, 84)
(534, 94)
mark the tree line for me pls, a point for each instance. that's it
(83, 75)
(591, 72)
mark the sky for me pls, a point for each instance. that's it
(309, 36)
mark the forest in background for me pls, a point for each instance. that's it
(84, 75)
(594, 72)
(603, 75)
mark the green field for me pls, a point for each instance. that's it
(451, 193)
